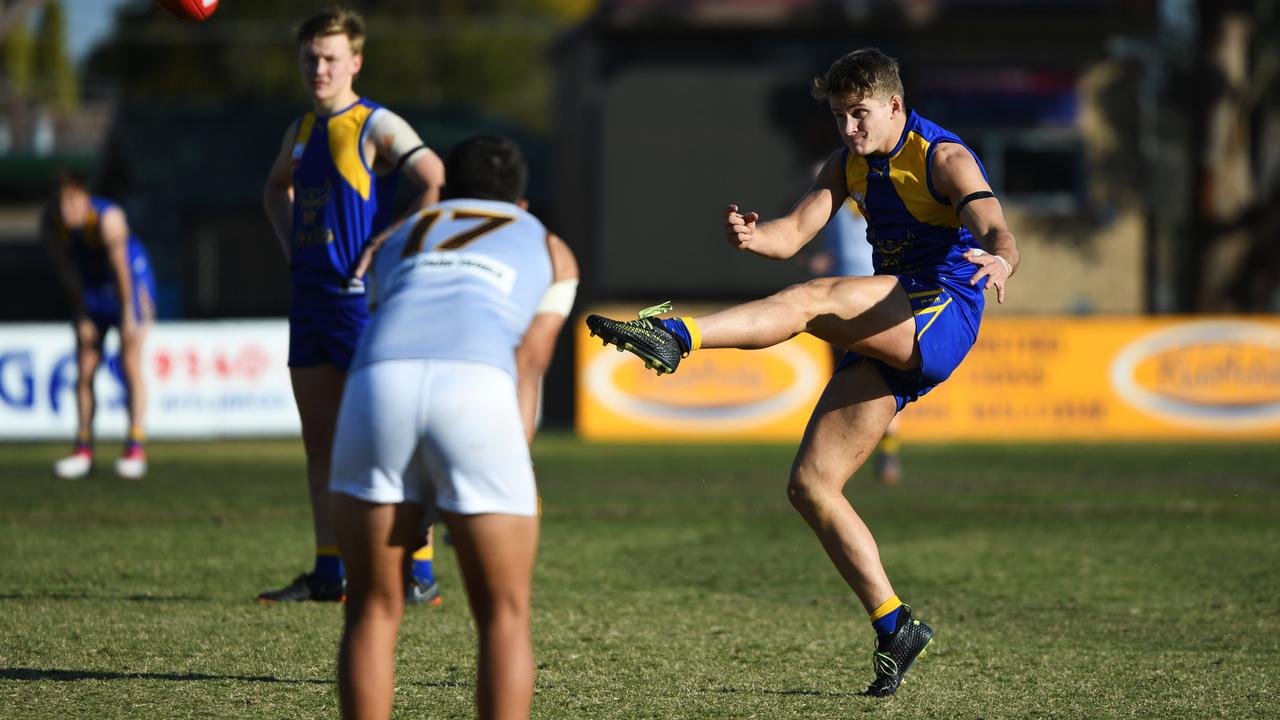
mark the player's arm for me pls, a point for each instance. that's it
(784, 237)
(277, 195)
(533, 355)
(115, 238)
(957, 177)
(67, 276)
(398, 149)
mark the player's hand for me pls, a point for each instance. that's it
(992, 267)
(739, 228)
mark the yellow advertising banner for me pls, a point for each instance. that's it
(1035, 378)
(1053, 378)
(731, 395)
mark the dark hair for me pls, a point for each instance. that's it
(865, 73)
(487, 167)
(335, 21)
(67, 179)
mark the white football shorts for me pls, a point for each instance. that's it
(440, 433)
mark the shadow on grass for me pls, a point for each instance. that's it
(86, 596)
(57, 675)
(789, 691)
(76, 675)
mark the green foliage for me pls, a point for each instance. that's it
(1069, 581)
(19, 57)
(56, 81)
(485, 55)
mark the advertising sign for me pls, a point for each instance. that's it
(719, 394)
(203, 379)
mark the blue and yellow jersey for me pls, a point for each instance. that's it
(86, 249)
(338, 202)
(913, 229)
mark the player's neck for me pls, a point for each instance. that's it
(894, 137)
(330, 105)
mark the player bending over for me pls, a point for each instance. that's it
(436, 418)
(930, 213)
(105, 272)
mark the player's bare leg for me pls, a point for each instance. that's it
(88, 357)
(376, 541)
(133, 461)
(496, 553)
(870, 315)
(852, 414)
(318, 393)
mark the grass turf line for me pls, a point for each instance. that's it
(673, 582)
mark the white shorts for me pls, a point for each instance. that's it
(440, 433)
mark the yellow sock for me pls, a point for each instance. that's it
(695, 335)
(427, 552)
(890, 444)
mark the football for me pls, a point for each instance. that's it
(194, 10)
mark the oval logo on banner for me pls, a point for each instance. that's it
(712, 392)
(1212, 374)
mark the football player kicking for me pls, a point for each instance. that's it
(470, 294)
(930, 213)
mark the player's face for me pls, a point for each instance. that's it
(329, 67)
(866, 124)
(73, 203)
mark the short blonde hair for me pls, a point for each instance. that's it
(336, 21)
(865, 73)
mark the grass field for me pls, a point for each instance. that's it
(1063, 581)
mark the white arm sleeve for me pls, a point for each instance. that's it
(559, 297)
(391, 129)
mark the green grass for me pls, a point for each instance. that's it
(1068, 581)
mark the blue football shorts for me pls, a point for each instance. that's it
(947, 314)
(102, 300)
(326, 332)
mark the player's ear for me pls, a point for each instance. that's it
(896, 104)
(523, 204)
(357, 63)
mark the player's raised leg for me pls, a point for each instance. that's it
(870, 315)
(376, 540)
(855, 409)
(496, 553)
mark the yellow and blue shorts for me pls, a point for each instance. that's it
(947, 314)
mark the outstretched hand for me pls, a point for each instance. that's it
(739, 228)
(993, 267)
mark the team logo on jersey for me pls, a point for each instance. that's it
(861, 201)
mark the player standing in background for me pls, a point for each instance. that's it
(440, 421)
(930, 210)
(330, 190)
(107, 277)
(845, 252)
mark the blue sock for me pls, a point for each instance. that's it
(328, 564)
(677, 327)
(887, 624)
(422, 565)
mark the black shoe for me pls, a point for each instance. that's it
(895, 654)
(644, 337)
(417, 592)
(307, 586)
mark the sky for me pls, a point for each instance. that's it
(88, 21)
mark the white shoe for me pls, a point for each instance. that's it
(74, 466)
(132, 467)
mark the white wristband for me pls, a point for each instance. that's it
(1008, 269)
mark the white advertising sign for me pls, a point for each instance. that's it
(203, 379)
